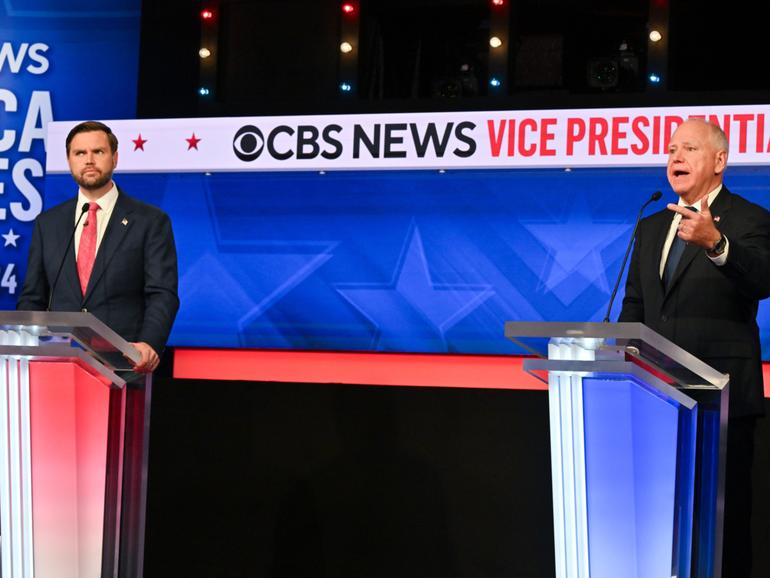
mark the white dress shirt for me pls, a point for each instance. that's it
(106, 205)
(718, 260)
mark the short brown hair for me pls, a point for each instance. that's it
(93, 126)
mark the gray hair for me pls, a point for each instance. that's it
(716, 134)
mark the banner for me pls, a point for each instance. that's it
(617, 137)
(73, 60)
(340, 256)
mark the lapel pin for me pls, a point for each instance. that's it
(716, 219)
(124, 222)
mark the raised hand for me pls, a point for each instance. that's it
(697, 227)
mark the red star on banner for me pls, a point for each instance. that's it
(192, 142)
(139, 143)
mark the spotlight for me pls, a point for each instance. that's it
(346, 47)
(204, 53)
(654, 78)
(203, 91)
(498, 2)
(495, 82)
(346, 87)
(655, 36)
(348, 8)
(207, 14)
(495, 42)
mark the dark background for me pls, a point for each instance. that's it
(292, 480)
(300, 480)
(327, 480)
(282, 56)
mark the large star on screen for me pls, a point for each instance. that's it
(574, 247)
(235, 282)
(412, 311)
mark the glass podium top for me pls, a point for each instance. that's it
(634, 341)
(49, 329)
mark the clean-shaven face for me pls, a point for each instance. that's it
(695, 165)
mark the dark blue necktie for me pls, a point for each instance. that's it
(674, 254)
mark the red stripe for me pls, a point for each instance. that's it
(481, 371)
(410, 369)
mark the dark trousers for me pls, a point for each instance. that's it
(737, 552)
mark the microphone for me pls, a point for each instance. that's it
(83, 211)
(655, 196)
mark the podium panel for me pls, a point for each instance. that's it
(631, 442)
(637, 451)
(73, 449)
(69, 419)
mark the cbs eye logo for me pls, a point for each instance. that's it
(248, 143)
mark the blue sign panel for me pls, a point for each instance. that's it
(58, 61)
(413, 261)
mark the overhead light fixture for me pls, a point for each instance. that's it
(346, 47)
(204, 52)
(495, 42)
(655, 35)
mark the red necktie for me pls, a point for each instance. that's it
(87, 247)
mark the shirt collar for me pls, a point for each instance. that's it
(712, 195)
(106, 201)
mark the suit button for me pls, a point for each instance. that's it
(664, 318)
(84, 310)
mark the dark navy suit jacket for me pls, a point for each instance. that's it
(709, 311)
(133, 285)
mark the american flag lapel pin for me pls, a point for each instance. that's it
(124, 222)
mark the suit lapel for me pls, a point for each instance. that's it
(721, 206)
(661, 232)
(70, 268)
(117, 227)
(690, 251)
(718, 209)
(652, 246)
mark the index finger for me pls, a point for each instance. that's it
(686, 213)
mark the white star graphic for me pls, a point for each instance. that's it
(400, 309)
(574, 246)
(10, 238)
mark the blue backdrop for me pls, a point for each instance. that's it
(415, 261)
(58, 61)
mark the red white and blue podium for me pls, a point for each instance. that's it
(73, 449)
(638, 430)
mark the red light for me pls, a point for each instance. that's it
(348, 8)
(207, 14)
(498, 2)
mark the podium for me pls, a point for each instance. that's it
(638, 430)
(73, 448)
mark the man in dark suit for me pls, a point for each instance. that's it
(122, 264)
(706, 300)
